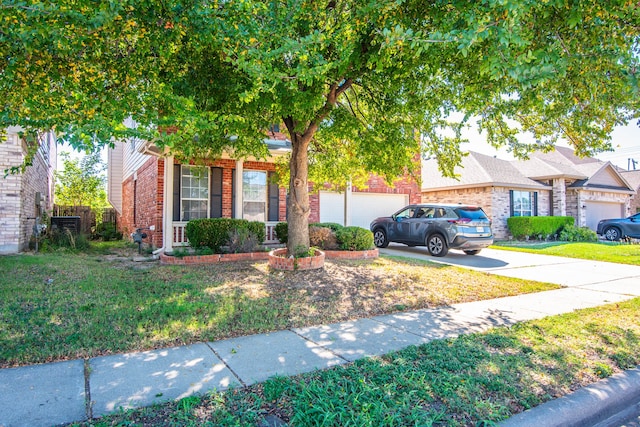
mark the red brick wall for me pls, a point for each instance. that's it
(144, 208)
(149, 198)
(401, 186)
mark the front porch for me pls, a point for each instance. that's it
(179, 235)
(224, 189)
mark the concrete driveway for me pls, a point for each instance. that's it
(570, 272)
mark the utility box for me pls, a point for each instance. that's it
(71, 223)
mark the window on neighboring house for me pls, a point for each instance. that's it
(194, 193)
(254, 195)
(524, 203)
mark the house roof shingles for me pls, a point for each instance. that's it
(537, 168)
(479, 170)
(476, 170)
(633, 178)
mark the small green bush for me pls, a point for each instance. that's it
(571, 233)
(214, 232)
(354, 239)
(282, 232)
(64, 239)
(107, 231)
(523, 226)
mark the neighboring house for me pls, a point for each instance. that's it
(556, 183)
(24, 196)
(633, 178)
(161, 194)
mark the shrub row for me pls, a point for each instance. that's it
(332, 236)
(523, 226)
(217, 232)
(571, 233)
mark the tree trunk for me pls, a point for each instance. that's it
(298, 208)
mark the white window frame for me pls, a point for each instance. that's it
(518, 196)
(182, 188)
(247, 199)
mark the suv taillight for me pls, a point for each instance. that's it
(459, 221)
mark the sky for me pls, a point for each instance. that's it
(625, 140)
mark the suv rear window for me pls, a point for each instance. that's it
(471, 213)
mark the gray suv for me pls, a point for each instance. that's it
(438, 227)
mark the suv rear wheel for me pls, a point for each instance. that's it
(437, 245)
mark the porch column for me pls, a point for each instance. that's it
(238, 188)
(581, 218)
(167, 214)
(347, 205)
(559, 197)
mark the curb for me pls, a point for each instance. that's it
(605, 403)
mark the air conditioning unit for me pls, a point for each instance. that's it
(71, 223)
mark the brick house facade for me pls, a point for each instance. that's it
(27, 195)
(557, 183)
(633, 177)
(151, 196)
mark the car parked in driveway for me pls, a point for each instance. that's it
(439, 227)
(619, 228)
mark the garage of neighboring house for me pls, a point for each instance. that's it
(596, 211)
(362, 207)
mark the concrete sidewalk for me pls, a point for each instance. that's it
(63, 392)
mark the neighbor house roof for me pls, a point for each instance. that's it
(479, 170)
(537, 168)
(476, 170)
(633, 178)
(564, 155)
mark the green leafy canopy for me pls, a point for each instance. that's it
(214, 69)
(361, 86)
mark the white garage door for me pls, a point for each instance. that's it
(365, 207)
(599, 210)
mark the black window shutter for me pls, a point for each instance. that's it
(233, 193)
(535, 203)
(274, 199)
(216, 193)
(176, 192)
(510, 202)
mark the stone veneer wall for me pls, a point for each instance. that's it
(18, 192)
(577, 198)
(634, 203)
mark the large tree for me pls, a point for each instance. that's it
(361, 86)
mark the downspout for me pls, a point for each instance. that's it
(168, 177)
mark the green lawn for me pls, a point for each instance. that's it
(620, 253)
(58, 306)
(473, 380)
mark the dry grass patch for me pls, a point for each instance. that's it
(61, 306)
